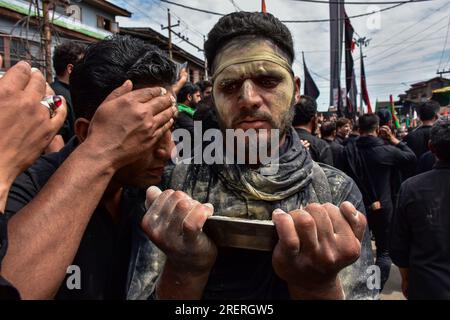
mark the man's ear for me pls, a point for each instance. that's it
(69, 68)
(81, 128)
(297, 93)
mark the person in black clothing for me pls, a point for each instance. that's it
(418, 139)
(27, 129)
(65, 57)
(420, 229)
(371, 163)
(343, 129)
(205, 88)
(84, 197)
(305, 122)
(426, 162)
(328, 133)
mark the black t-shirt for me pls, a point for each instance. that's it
(67, 131)
(104, 252)
(7, 291)
(417, 140)
(420, 233)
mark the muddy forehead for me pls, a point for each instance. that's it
(252, 69)
(247, 46)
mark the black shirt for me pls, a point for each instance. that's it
(336, 150)
(319, 149)
(417, 140)
(381, 162)
(7, 291)
(67, 131)
(420, 233)
(104, 252)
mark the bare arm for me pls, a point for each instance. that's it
(44, 235)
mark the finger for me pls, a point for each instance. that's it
(154, 202)
(48, 90)
(160, 103)
(59, 115)
(322, 221)
(126, 87)
(194, 221)
(356, 219)
(35, 88)
(339, 223)
(151, 195)
(162, 130)
(17, 76)
(306, 229)
(144, 95)
(287, 234)
(163, 117)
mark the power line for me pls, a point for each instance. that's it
(445, 43)
(360, 2)
(291, 21)
(407, 27)
(395, 52)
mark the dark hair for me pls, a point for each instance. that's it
(327, 129)
(428, 110)
(368, 122)
(188, 89)
(203, 85)
(242, 23)
(67, 53)
(342, 122)
(107, 64)
(440, 139)
(385, 116)
(305, 110)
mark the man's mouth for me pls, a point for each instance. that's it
(253, 123)
(156, 171)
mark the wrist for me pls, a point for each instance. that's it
(326, 290)
(94, 157)
(175, 283)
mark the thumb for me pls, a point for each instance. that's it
(126, 87)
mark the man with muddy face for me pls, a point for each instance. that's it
(323, 251)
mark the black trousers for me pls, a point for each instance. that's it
(379, 222)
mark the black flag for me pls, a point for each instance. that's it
(310, 88)
(350, 82)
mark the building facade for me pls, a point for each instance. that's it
(21, 26)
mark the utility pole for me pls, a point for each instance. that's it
(204, 57)
(46, 37)
(360, 43)
(443, 71)
(169, 27)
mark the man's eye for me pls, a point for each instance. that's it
(268, 82)
(230, 87)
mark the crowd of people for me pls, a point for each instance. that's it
(93, 183)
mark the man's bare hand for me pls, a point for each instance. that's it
(129, 123)
(306, 144)
(174, 223)
(314, 245)
(386, 133)
(25, 123)
(180, 81)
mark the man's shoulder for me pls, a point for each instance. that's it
(342, 187)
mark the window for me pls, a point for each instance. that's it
(106, 24)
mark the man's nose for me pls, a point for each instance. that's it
(249, 96)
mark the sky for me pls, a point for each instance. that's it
(407, 44)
